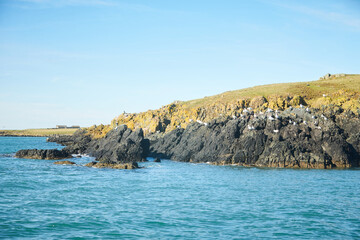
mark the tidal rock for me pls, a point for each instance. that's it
(115, 165)
(157, 160)
(64, 162)
(47, 154)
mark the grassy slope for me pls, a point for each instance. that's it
(351, 83)
(38, 132)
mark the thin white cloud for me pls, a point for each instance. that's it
(338, 16)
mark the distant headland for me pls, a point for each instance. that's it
(41, 132)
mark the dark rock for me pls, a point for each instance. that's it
(269, 142)
(75, 144)
(120, 145)
(48, 154)
(157, 160)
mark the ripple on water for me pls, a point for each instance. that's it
(172, 200)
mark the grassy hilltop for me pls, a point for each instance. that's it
(340, 91)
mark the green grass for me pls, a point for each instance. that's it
(310, 90)
(38, 132)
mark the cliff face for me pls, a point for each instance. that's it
(294, 138)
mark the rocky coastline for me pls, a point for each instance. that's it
(296, 125)
(294, 138)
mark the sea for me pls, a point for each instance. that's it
(171, 200)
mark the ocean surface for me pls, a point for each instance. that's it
(171, 200)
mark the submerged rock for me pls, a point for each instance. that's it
(47, 154)
(115, 165)
(65, 162)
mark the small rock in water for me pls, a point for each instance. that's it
(157, 160)
(114, 165)
(65, 162)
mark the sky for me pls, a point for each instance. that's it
(84, 62)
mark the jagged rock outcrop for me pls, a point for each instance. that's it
(295, 138)
(120, 145)
(47, 154)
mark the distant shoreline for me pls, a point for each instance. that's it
(24, 136)
(40, 132)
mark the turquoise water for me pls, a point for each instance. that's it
(172, 200)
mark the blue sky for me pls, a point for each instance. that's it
(84, 62)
